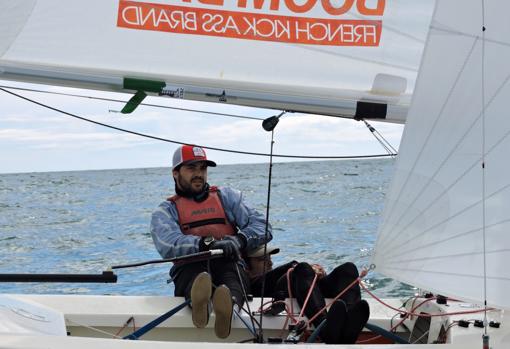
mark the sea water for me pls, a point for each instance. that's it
(83, 222)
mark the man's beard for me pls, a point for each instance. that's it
(186, 189)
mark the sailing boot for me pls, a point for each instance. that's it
(357, 317)
(335, 323)
(223, 308)
(200, 295)
(278, 304)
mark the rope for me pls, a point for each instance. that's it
(308, 296)
(131, 319)
(245, 296)
(424, 315)
(289, 287)
(290, 312)
(394, 327)
(121, 101)
(94, 329)
(247, 325)
(357, 281)
(184, 143)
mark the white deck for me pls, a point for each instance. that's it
(110, 313)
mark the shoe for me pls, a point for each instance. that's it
(275, 309)
(200, 295)
(357, 317)
(223, 308)
(335, 323)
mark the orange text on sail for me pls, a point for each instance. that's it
(265, 20)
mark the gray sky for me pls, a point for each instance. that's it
(35, 139)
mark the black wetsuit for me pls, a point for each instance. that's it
(354, 311)
(222, 271)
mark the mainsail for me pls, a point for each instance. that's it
(445, 226)
(309, 56)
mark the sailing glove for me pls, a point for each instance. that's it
(231, 246)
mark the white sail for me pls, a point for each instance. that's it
(311, 56)
(442, 203)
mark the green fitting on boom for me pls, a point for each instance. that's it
(134, 102)
(144, 85)
(141, 86)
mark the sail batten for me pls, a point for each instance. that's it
(450, 196)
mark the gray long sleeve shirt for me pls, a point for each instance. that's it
(171, 242)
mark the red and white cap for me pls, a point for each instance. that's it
(190, 153)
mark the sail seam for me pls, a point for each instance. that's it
(422, 246)
(436, 121)
(458, 33)
(462, 138)
(357, 59)
(8, 47)
(422, 233)
(392, 29)
(400, 261)
(435, 272)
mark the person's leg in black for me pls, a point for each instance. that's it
(301, 282)
(278, 291)
(358, 310)
(193, 282)
(357, 317)
(336, 321)
(227, 275)
(336, 281)
(225, 272)
(302, 279)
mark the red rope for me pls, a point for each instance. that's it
(362, 275)
(405, 312)
(290, 292)
(290, 312)
(308, 295)
(413, 308)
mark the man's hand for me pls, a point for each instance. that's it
(231, 246)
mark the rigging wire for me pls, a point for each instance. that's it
(338, 116)
(266, 227)
(380, 138)
(121, 101)
(183, 143)
(485, 337)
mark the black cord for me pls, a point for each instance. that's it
(124, 102)
(245, 295)
(266, 235)
(182, 143)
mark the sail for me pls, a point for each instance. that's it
(310, 56)
(443, 207)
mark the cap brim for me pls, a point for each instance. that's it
(208, 163)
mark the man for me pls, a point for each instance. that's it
(200, 218)
(346, 317)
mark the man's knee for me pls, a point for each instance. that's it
(303, 269)
(347, 270)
